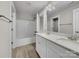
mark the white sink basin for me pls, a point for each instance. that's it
(57, 36)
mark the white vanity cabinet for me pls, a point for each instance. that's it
(58, 51)
(41, 46)
(49, 49)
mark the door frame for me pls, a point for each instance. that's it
(74, 24)
(13, 25)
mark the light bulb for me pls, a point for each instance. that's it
(50, 9)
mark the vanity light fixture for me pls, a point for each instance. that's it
(50, 7)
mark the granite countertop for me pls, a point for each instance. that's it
(62, 40)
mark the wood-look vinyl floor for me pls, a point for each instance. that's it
(27, 51)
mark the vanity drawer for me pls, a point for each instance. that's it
(51, 50)
(62, 52)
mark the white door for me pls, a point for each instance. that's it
(76, 21)
(5, 39)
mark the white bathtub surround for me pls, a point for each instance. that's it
(25, 32)
(24, 41)
(61, 40)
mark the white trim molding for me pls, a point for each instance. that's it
(58, 22)
(74, 20)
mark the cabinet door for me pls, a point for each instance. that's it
(41, 46)
(62, 52)
(52, 54)
(38, 46)
(51, 51)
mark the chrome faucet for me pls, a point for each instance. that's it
(74, 37)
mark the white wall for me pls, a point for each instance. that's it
(25, 28)
(23, 16)
(66, 17)
(25, 32)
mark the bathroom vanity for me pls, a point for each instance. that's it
(55, 46)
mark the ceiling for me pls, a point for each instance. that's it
(60, 6)
(27, 9)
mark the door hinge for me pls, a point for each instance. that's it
(11, 42)
(11, 29)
